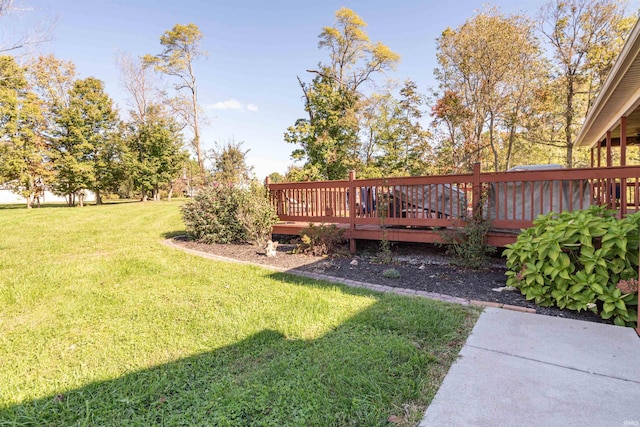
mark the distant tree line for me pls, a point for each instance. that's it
(62, 133)
(511, 90)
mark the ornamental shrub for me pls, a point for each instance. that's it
(320, 239)
(580, 260)
(468, 245)
(230, 214)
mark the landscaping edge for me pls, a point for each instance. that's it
(353, 283)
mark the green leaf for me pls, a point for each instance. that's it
(597, 288)
(608, 307)
(576, 288)
(621, 305)
(606, 314)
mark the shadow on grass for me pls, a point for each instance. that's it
(23, 206)
(175, 233)
(386, 360)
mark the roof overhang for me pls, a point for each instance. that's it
(619, 97)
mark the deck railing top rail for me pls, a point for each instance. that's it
(513, 199)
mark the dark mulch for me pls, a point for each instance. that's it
(421, 266)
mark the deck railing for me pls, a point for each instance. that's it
(510, 200)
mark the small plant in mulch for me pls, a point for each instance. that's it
(384, 250)
(320, 240)
(468, 245)
(391, 273)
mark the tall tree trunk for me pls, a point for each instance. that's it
(512, 139)
(98, 197)
(196, 128)
(569, 121)
(170, 194)
(496, 159)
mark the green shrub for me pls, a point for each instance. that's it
(385, 255)
(230, 214)
(468, 245)
(391, 273)
(581, 260)
(320, 239)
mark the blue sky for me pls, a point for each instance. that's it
(248, 84)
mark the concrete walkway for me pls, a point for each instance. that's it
(521, 369)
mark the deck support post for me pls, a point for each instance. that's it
(352, 211)
(609, 186)
(623, 162)
(477, 191)
(597, 183)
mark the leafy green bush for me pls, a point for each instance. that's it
(468, 245)
(320, 239)
(391, 273)
(230, 214)
(580, 260)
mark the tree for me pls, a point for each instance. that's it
(410, 151)
(155, 155)
(486, 67)
(328, 139)
(230, 164)
(181, 48)
(276, 177)
(393, 142)
(87, 150)
(329, 136)
(137, 80)
(24, 153)
(155, 143)
(453, 153)
(37, 35)
(585, 37)
(52, 79)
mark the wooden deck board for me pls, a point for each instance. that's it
(394, 234)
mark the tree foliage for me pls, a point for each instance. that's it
(87, 150)
(155, 155)
(585, 37)
(328, 138)
(485, 85)
(24, 159)
(230, 164)
(181, 48)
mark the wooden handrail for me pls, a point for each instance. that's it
(449, 200)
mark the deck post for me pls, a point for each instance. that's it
(352, 211)
(609, 188)
(599, 181)
(623, 162)
(477, 191)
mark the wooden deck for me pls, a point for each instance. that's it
(417, 209)
(394, 234)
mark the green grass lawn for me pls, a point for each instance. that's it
(101, 324)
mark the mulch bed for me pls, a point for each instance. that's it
(422, 267)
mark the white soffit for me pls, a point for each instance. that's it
(619, 96)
